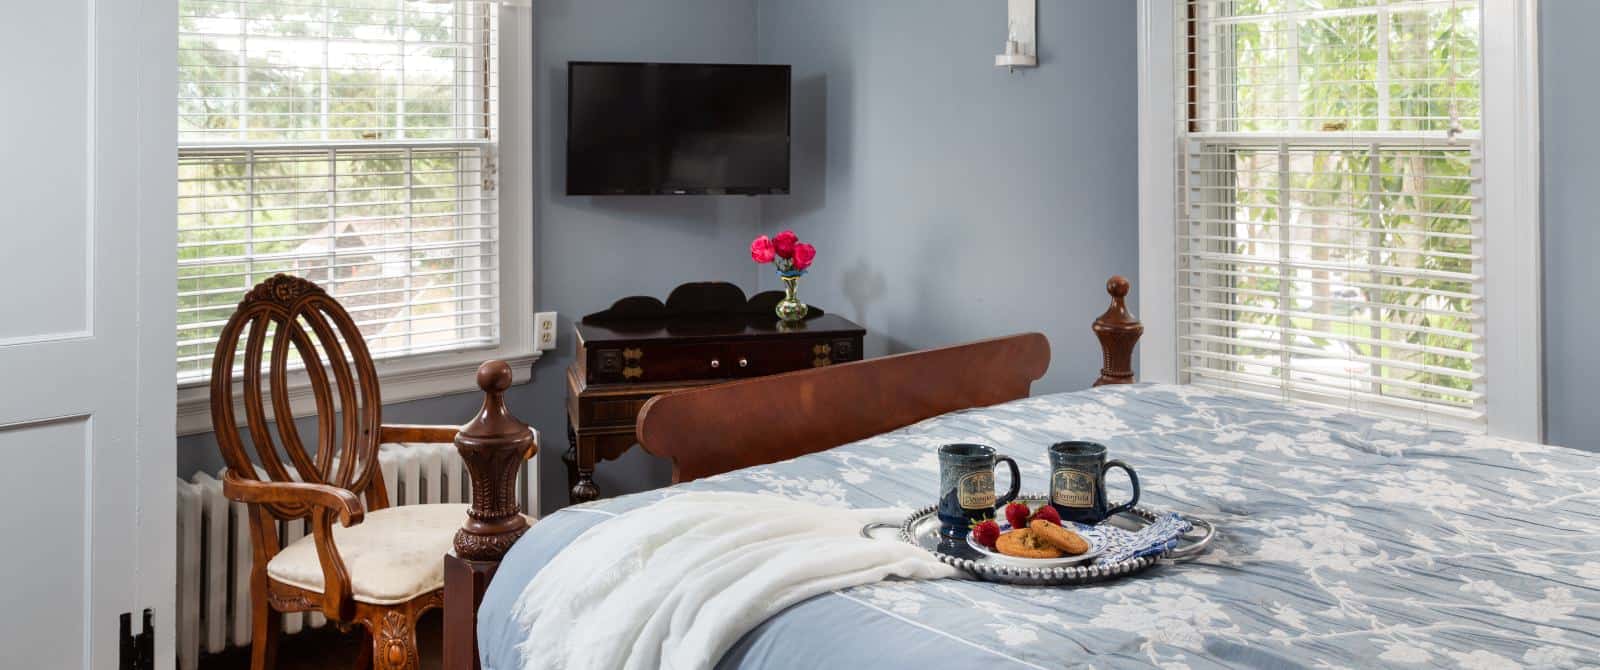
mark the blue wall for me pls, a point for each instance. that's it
(590, 251)
(1571, 153)
(950, 200)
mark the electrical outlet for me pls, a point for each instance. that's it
(544, 329)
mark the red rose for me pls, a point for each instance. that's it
(761, 250)
(803, 254)
(783, 244)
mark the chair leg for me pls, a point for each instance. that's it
(266, 623)
(394, 640)
(364, 657)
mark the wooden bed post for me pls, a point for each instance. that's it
(494, 445)
(1118, 330)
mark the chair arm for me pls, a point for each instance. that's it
(338, 602)
(294, 494)
(391, 434)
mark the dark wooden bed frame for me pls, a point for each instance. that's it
(717, 429)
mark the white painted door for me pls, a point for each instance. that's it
(87, 277)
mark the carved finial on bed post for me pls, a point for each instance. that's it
(494, 445)
(1118, 330)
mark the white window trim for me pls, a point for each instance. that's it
(429, 375)
(1157, 287)
(1511, 180)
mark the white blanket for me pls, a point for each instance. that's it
(675, 584)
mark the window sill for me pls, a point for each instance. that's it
(400, 380)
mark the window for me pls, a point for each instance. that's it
(350, 142)
(1334, 196)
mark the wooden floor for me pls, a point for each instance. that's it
(326, 647)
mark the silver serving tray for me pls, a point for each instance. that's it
(922, 529)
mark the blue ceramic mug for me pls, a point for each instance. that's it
(1078, 482)
(966, 486)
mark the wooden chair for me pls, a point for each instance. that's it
(384, 567)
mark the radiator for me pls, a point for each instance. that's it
(214, 543)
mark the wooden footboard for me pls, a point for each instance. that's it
(730, 426)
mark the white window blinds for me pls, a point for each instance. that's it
(350, 142)
(1330, 241)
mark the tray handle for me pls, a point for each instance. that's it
(1208, 532)
(866, 531)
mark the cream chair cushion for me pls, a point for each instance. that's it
(392, 556)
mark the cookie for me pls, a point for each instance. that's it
(1058, 537)
(1025, 544)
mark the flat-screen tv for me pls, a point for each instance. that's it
(677, 129)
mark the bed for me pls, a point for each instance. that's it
(1344, 541)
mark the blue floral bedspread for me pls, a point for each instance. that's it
(1343, 541)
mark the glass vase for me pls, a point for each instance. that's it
(790, 309)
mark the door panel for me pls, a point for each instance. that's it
(88, 271)
(56, 458)
(46, 147)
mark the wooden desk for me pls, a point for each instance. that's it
(705, 333)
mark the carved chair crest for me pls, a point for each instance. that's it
(280, 315)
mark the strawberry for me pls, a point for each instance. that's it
(1017, 513)
(986, 532)
(1048, 513)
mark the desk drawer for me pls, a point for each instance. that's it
(658, 363)
(711, 361)
(756, 359)
(614, 411)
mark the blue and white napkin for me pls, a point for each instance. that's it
(1122, 545)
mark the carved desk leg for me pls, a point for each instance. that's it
(493, 445)
(570, 457)
(585, 489)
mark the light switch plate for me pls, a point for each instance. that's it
(544, 329)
